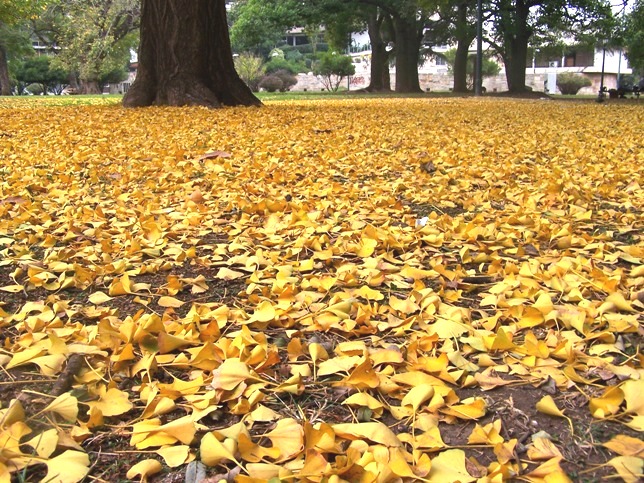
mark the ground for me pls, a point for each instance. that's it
(366, 289)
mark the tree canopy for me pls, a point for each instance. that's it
(634, 36)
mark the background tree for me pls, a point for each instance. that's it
(332, 68)
(258, 26)
(185, 57)
(634, 37)
(518, 23)
(15, 45)
(39, 70)
(490, 67)
(251, 69)
(92, 38)
(12, 14)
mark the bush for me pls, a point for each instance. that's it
(569, 83)
(271, 83)
(288, 79)
(36, 89)
(332, 68)
(251, 70)
(279, 63)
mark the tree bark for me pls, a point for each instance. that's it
(380, 79)
(185, 57)
(90, 87)
(5, 83)
(407, 53)
(517, 34)
(464, 39)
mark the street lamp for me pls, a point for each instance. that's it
(478, 82)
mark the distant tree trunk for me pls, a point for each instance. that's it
(185, 57)
(90, 87)
(517, 34)
(380, 80)
(464, 38)
(407, 53)
(5, 83)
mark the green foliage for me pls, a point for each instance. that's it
(332, 68)
(570, 83)
(250, 68)
(95, 38)
(490, 67)
(13, 12)
(634, 37)
(279, 63)
(259, 25)
(39, 70)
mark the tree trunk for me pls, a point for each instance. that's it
(516, 46)
(380, 80)
(5, 83)
(407, 54)
(185, 57)
(464, 39)
(90, 87)
(460, 67)
(515, 71)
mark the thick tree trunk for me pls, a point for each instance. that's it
(185, 57)
(5, 83)
(90, 87)
(516, 45)
(464, 39)
(407, 54)
(515, 69)
(460, 67)
(380, 80)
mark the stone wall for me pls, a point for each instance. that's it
(443, 82)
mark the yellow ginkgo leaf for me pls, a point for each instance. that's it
(230, 374)
(449, 466)
(548, 406)
(288, 437)
(175, 456)
(65, 405)
(629, 468)
(633, 391)
(44, 443)
(98, 298)
(469, 409)
(543, 449)
(607, 404)
(112, 402)
(214, 452)
(417, 396)
(626, 445)
(144, 469)
(68, 467)
(167, 301)
(373, 431)
(228, 274)
(264, 312)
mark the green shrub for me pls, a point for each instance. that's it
(278, 63)
(570, 83)
(251, 69)
(271, 83)
(36, 89)
(332, 68)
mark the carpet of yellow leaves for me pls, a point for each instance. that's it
(383, 256)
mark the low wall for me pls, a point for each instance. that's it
(444, 82)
